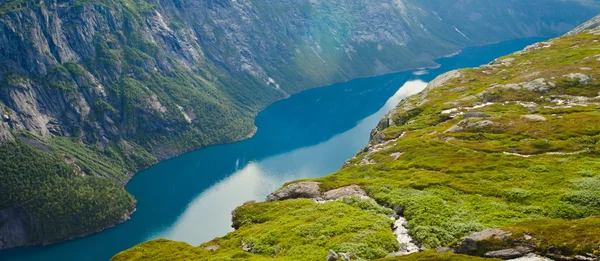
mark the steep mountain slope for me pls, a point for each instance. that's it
(93, 91)
(507, 151)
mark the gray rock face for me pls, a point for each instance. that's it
(15, 226)
(296, 190)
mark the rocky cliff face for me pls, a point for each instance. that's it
(110, 87)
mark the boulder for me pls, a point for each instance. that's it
(332, 256)
(534, 117)
(510, 253)
(454, 128)
(212, 247)
(345, 256)
(582, 78)
(296, 190)
(539, 85)
(443, 79)
(348, 191)
(468, 245)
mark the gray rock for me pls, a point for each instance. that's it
(332, 256)
(212, 247)
(247, 247)
(582, 78)
(571, 258)
(506, 61)
(480, 124)
(345, 256)
(455, 128)
(510, 253)
(468, 244)
(534, 117)
(443, 79)
(476, 115)
(348, 191)
(296, 190)
(539, 85)
(15, 227)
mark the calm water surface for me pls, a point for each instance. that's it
(311, 134)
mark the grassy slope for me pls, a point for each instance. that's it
(454, 183)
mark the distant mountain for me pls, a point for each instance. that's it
(93, 91)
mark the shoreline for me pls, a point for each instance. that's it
(250, 135)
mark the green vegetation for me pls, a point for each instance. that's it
(60, 198)
(454, 183)
(287, 230)
(451, 174)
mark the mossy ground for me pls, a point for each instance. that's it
(515, 173)
(564, 237)
(289, 230)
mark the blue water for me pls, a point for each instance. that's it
(311, 134)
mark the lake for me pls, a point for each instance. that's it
(311, 134)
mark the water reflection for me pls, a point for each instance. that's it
(258, 179)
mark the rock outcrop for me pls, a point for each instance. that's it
(470, 243)
(296, 190)
(311, 190)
